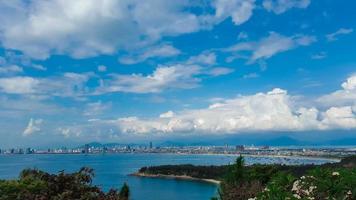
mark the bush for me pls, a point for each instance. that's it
(320, 183)
(34, 184)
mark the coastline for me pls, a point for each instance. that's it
(178, 177)
(331, 158)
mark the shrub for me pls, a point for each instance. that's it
(34, 184)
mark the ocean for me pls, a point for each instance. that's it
(112, 170)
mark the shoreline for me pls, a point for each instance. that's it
(177, 177)
(329, 158)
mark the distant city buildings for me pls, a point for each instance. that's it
(226, 149)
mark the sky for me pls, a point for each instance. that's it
(130, 70)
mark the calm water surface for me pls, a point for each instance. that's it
(112, 170)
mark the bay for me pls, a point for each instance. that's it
(112, 170)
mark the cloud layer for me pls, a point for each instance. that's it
(275, 110)
(85, 28)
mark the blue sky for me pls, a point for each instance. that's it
(124, 71)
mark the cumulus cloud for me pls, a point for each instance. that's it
(260, 112)
(345, 96)
(85, 28)
(152, 52)
(275, 110)
(271, 45)
(281, 6)
(340, 117)
(334, 36)
(33, 126)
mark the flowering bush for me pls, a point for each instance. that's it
(320, 183)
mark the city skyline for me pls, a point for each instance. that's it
(127, 71)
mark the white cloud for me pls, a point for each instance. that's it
(168, 114)
(152, 52)
(67, 85)
(281, 6)
(242, 36)
(70, 131)
(250, 75)
(271, 45)
(164, 77)
(205, 58)
(34, 125)
(102, 68)
(345, 96)
(342, 31)
(340, 117)
(85, 28)
(218, 71)
(239, 10)
(10, 69)
(319, 56)
(38, 67)
(271, 111)
(18, 85)
(96, 108)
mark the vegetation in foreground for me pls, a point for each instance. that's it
(34, 184)
(277, 182)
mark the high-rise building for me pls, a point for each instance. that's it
(86, 149)
(151, 146)
(29, 151)
(240, 148)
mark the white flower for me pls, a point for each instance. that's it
(296, 186)
(297, 196)
(252, 198)
(335, 173)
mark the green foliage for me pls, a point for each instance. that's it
(34, 184)
(319, 183)
(278, 182)
(236, 172)
(204, 172)
(124, 192)
(278, 188)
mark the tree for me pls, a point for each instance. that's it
(124, 192)
(34, 184)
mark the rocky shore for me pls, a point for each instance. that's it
(178, 177)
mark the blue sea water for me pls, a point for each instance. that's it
(112, 171)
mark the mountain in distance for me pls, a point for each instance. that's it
(248, 140)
